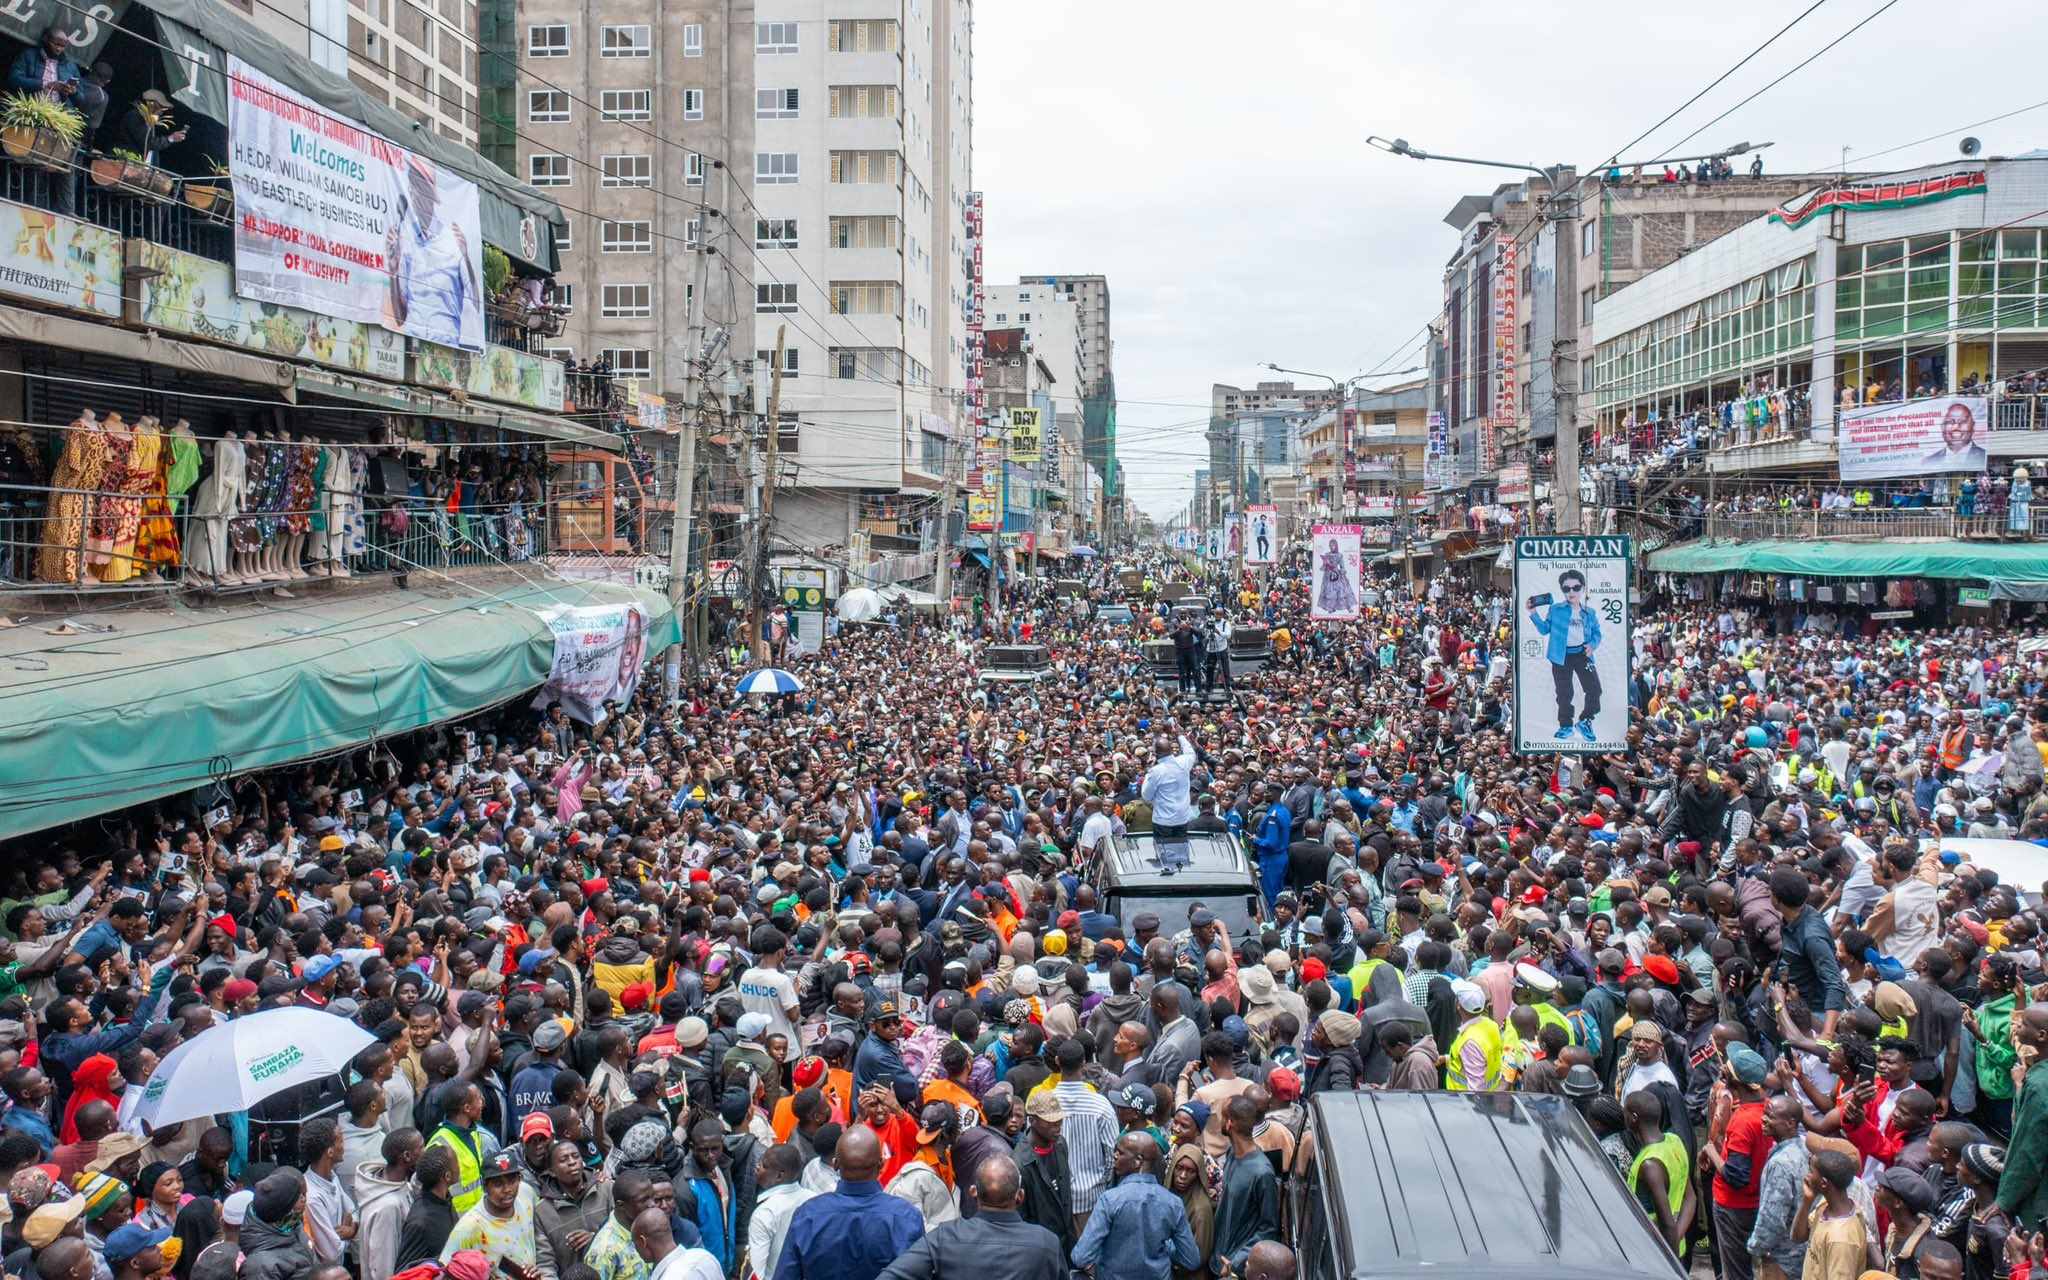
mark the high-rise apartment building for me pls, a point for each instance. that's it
(1098, 346)
(638, 116)
(862, 165)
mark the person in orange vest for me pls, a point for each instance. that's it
(810, 1073)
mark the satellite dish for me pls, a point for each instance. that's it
(1969, 146)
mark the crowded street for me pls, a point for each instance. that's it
(691, 986)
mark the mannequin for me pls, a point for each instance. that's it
(300, 495)
(82, 468)
(350, 529)
(276, 487)
(215, 504)
(245, 534)
(103, 534)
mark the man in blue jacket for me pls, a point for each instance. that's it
(46, 69)
(1573, 631)
(1275, 832)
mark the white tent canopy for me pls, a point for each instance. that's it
(859, 605)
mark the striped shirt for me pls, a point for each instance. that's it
(1091, 1131)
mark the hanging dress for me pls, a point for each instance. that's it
(111, 514)
(277, 476)
(300, 487)
(83, 466)
(140, 477)
(245, 532)
(156, 544)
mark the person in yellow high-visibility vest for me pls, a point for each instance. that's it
(1474, 1061)
(469, 1144)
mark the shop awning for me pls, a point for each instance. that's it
(1897, 558)
(977, 554)
(163, 702)
(105, 339)
(476, 413)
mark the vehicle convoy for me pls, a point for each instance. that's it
(1016, 664)
(1408, 1185)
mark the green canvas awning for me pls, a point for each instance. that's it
(163, 702)
(1897, 558)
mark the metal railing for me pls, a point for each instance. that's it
(1871, 525)
(94, 540)
(171, 223)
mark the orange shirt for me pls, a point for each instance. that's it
(944, 1090)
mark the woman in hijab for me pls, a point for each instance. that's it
(197, 1226)
(1185, 1175)
(97, 1079)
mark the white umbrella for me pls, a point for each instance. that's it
(234, 1066)
(859, 605)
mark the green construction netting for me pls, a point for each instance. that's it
(169, 699)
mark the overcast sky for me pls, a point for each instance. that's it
(1210, 159)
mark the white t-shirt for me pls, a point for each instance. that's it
(1916, 920)
(1095, 830)
(772, 993)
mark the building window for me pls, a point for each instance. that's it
(846, 364)
(863, 101)
(862, 35)
(628, 171)
(693, 233)
(550, 41)
(547, 170)
(693, 169)
(693, 40)
(628, 301)
(693, 104)
(788, 431)
(775, 299)
(629, 362)
(774, 168)
(626, 237)
(775, 104)
(565, 239)
(1589, 237)
(867, 167)
(775, 37)
(875, 231)
(559, 295)
(547, 106)
(1587, 298)
(766, 360)
(867, 298)
(627, 104)
(633, 41)
(775, 233)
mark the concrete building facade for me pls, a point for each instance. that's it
(862, 166)
(639, 118)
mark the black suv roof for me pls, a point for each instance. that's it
(1215, 858)
(1513, 1184)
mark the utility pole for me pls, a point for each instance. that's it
(686, 478)
(761, 551)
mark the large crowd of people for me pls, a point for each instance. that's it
(820, 987)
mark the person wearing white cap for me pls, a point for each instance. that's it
(1534, 987)
(1476, 1051)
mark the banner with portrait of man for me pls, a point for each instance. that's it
(1261, 535)
(1571, 647)
(1934, 435)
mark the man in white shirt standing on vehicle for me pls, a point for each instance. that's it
(1168, 789)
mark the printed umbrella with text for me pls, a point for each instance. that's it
(235, 1065)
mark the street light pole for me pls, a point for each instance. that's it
(1558, 208)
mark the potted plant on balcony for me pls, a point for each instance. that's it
(213, 196)
(37, 131)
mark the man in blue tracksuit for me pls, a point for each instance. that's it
(1276, 830)
(1573, 630)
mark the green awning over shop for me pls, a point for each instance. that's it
(165, 701)
(1898, 558)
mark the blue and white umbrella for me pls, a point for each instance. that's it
(771, 680)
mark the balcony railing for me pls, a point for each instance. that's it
(96, 542)
(1871, 525)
